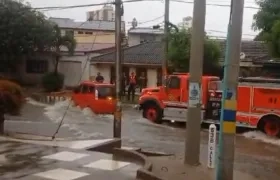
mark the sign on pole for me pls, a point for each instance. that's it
(194, 94)
(212, 146)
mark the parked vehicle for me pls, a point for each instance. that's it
(99, 97)
(258, 102)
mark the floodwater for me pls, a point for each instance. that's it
(255, 152)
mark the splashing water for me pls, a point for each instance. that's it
(35, 103)
(257, 135)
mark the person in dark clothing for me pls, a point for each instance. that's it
(131, 86)
(123, 84)
(99, 78)
(142, 81)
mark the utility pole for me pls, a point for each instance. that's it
(227, 134)
(192, 145)
(166, 34)
(118, 112)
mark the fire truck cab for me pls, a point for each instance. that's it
(171, 102)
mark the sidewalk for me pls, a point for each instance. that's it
(25, 161)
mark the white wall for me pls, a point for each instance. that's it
(103, 69)
(152, 77)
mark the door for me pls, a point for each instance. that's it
(83, 98)
(174, 88)
(77, 95)
(106, 102)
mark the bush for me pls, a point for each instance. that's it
(11, 97)
(53, 81)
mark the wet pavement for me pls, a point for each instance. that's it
(252, 155)
(24, 161)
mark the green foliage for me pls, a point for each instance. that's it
(264, 20)
(179, 52)
(23, 29)
(53, 81)
(58, 41)
(265, 17)
(273, 39)
(11, 97)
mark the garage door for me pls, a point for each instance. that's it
(72, 71)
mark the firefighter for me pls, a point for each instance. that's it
(131, 86)
(123, 84)
(142, 81)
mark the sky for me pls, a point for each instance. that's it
(216, 17)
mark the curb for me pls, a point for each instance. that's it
(107, 147)
(143, 173)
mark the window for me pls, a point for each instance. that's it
(80, 32)
(106, 91)
(37, 66)
(69, 33)
(147, 38)
(88, 32)
(91, 89)
(85, 89)
(174, 82)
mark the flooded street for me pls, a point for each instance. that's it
(256, 153)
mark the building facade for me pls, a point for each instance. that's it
(106, 13)
(140, 35)
(89, 31)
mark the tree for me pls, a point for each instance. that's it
(273, 39)
(11, 100)
(23, 30)
(59, 41)
(179, 53)
(266, 16)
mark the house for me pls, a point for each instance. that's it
(93, 38)
(147, 58)
(142, 58)
(75, 68)
(88, 31)
(140, 35)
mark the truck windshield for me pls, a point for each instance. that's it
(215, 85)
(106, 91)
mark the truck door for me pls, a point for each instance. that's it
(174, 88)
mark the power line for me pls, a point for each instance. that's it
(211, 4)
(129, 1)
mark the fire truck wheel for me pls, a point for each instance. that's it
(152, 113)
(271, 126)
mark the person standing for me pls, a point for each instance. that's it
(123, 84)
(142, 81)
(131, 86)
(99, 78)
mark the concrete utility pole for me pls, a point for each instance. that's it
(230, 84)
(192, 146)
(118, 112)
(166, 33)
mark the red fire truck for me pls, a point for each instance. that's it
(258, 102)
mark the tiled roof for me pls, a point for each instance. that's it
(252, 49)
(152, 52)
(146, 53)
(143, 30)
(88, 25)
(89, 47)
